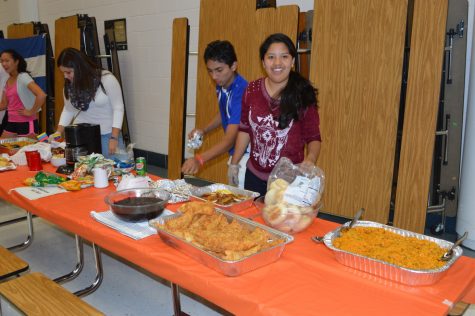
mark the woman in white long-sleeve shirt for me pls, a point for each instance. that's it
(91, 95)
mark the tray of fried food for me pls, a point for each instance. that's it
(223, 241)
(6, 164)
(225, 196)
(12, 145)
(391, 253)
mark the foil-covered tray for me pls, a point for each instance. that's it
(226, 267)
(387, 270)
(12, 151)
(235, 207)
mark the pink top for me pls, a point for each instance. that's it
(15, 105)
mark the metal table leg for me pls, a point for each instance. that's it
(99, 274)
(29, 237)
(80, 257)
(176, 301)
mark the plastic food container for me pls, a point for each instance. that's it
(289, 218)
(387, 270)
(58, 161)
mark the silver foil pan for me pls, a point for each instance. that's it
(233, 207)
(387, 270)
(11, 152)
(226, 267)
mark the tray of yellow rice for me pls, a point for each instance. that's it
(391, 253)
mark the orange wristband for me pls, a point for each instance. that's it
(200, 159)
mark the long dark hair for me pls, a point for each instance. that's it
(87, 74)
(17, 57)
(299, 93)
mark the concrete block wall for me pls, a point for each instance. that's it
(146, 65)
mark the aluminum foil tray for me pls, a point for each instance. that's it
(197, 192)
(226, 267)
(387, 270)
(11, 152)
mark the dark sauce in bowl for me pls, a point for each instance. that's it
(138, 201)
(140, 208)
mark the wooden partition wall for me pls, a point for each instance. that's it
(246, 31)
(67, 34)
(357, 57)
(23, 30)
(356, 63)
(178, 97)
(420, 116)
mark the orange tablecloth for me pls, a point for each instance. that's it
(306, 280)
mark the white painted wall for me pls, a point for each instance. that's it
(146, 65)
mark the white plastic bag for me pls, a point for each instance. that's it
(19, 158)
(293, 196)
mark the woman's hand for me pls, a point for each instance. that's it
(113, 146)
(26, 112)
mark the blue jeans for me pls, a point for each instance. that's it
(105, 145)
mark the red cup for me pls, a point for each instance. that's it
(28, 156)
(35, 161)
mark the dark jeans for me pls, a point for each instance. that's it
(253, 183)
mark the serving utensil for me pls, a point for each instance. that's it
(448, 255)
(319, 239)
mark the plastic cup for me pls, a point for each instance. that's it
(35, 161)
(28, 154)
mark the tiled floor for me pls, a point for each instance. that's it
(125, 290)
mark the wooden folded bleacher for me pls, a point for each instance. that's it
(35, 294)
(10, 265)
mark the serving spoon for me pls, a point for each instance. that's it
(319, 239)
(448, 255)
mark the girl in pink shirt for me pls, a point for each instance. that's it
(22, 97)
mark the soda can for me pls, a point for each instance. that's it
(141, 166)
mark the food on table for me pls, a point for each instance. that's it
(140, 204)
(285, 216)
(78, 184)
(223, 197)
(380, 244)
(138, 201)
(4, 162)
(212, 232)
(42, 179)
(71, 185)
(86, 180)
(17, 144)
(57, 152)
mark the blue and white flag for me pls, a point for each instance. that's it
(33, 49)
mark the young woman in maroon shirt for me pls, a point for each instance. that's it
(279, 115)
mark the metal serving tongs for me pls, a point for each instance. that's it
(448, 255)
(319, 239)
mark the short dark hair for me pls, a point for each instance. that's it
(221, 51)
